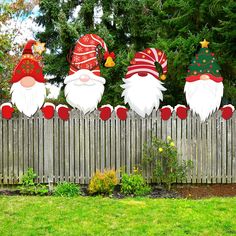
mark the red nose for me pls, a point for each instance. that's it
(142, 74)
(84, 78)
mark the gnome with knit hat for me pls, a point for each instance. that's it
(142, 84)
(84, 84)
(28, 90)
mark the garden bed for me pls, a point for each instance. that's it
(194, 191)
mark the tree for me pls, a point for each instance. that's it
(127, 26)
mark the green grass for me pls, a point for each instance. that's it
(103, 216)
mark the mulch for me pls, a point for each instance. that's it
(194, 191)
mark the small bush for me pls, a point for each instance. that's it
(66, 189)
(28, 186)
(103, 183)
(163, 156)
(134, 184)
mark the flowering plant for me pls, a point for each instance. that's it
(163, 156)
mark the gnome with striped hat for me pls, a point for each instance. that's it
(84, 84)
(143, 87)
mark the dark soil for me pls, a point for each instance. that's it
(194, 191)
(206, 191)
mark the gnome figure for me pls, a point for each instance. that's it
(28, 90)
(143, 88)
(84, 84)
(204, 87)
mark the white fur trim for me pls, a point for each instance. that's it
(168, 106)
(5, 104)
(229, 105)
(177, 106)
(119, 106)
(108, 105)
(60, 105)
(49, 104)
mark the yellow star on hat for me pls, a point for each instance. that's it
(204, 43)
(39, 47)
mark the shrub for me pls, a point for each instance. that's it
(103, 183)
(134, 184)
(163, 156)
(66, 189)
(28, 186)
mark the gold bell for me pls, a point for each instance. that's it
(109, 62)
(163, 77)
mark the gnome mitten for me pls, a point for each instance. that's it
(105, 111)
(121, 112)
(166, 112)
(48, 110)
(181, 111)
(227, 111)
(63, 112)
(7, 110)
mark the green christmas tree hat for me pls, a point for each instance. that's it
(204, 66)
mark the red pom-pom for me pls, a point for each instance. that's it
(227, 111)
(121, 112)
(166, 112)
(48, 110)
(181, 111)
(63, 112)
(105, 112)
(7, 110)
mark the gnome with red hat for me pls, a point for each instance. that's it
(84, 84)
(28, 90)
(143, 87)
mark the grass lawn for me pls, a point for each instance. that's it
(104, 216)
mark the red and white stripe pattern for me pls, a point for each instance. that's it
(84, 54)
(144, 62)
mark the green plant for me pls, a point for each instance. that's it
(134, 184)
(28, 187)
(66, 189)
(163, 156)
(103, 183)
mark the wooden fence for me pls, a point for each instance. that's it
(75, 149)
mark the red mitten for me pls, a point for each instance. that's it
(181, 111)
(227, 111)
(166, 112)
(7, 110)
(63, 112)
(105, 112)
(48, 110)
(121, 112)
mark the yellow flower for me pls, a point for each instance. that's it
(172, 144)
(168, 138)
(160, 149)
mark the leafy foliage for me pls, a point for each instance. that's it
(163, 156)
(134, 184)
(103, 183)
(28, 186)
(66, 189)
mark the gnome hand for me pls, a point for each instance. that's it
(105, 111)
(227, 111)
(7, 110)
(181, 111)
(63, 112)
(121, 112)
(166, 112)
(48, 110)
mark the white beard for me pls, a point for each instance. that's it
(143, 94)
(204, 97)
(28, 100)
(84, 96)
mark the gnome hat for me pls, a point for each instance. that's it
(85, 55)
(143, 63)
(28, 66)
